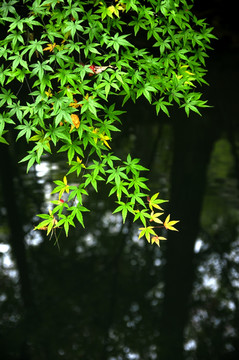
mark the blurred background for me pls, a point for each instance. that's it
(102, 294)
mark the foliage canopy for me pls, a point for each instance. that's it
(73, 58)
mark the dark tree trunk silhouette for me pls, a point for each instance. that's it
(9, 179)
(193, 141)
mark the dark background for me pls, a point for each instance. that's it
(104, 295)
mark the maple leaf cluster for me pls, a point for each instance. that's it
(150, 231)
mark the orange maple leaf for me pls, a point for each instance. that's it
(76, 121)
(49, 47)
(75, 104)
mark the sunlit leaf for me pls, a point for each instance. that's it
(169, 224)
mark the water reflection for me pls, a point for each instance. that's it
(7, 264)
(99, 296)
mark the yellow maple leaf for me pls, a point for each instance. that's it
(189, 73)
(153, 202)
(120, 6)
(104, 138)
(112, 10)
(95, 132)
(156, 239)
(48, 93)
(80, 162)
(169, 224)
(65, 180)
(155, 217)
(66, 188)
